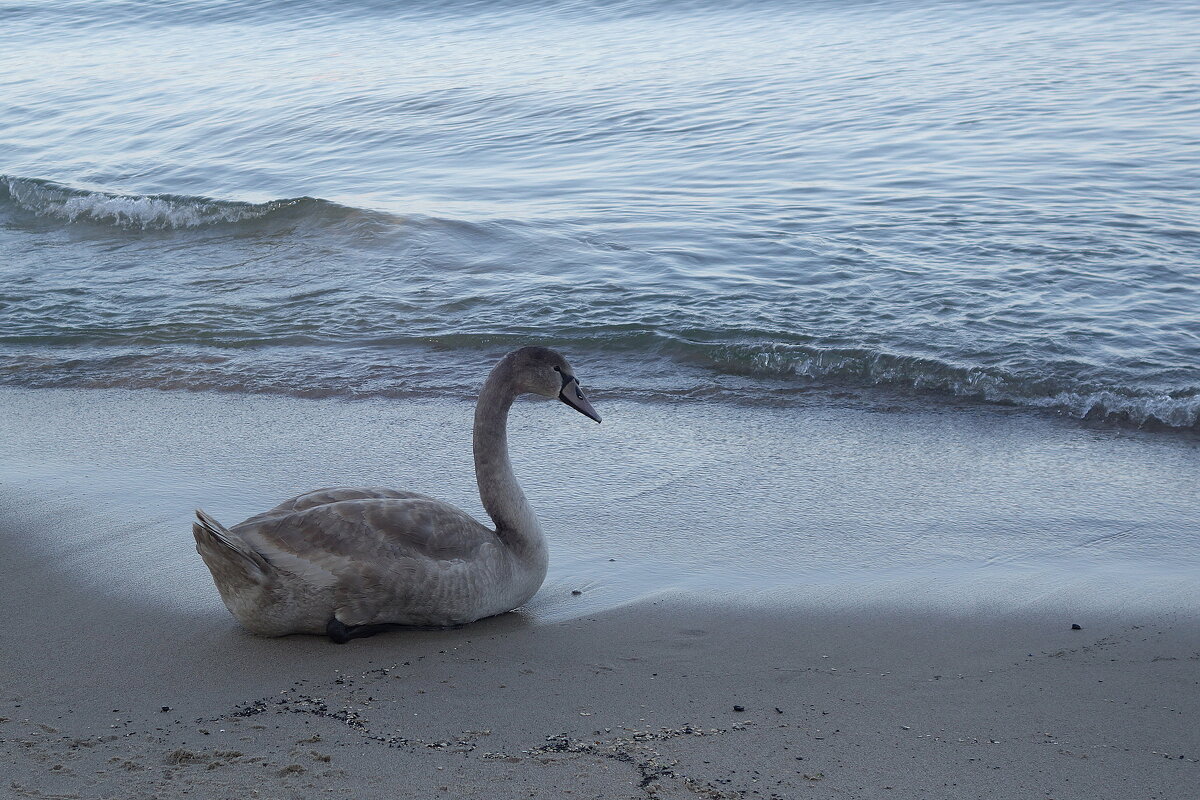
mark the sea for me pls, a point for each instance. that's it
(743, 203)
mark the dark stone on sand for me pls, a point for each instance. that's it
(165, 709)
(778, 710)
(739, 708)
(576, 591)
(1076, 626)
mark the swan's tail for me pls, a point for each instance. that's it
(225, 552)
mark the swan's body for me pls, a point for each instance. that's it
(350, 562)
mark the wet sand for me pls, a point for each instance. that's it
(123, 676)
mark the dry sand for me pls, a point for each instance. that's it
(666, 699)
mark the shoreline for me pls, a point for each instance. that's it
(689, 497)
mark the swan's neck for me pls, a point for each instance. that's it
(505, 503)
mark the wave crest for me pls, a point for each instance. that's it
(48, 199)
(1143, 411)
(1174, 409)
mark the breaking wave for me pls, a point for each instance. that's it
(1176, 408)
(49, 200)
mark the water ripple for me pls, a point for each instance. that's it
(734, 202)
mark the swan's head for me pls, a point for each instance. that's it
(540, 370)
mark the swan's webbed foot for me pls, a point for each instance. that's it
(340, 633)
(337, 632)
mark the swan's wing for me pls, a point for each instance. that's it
(325, 542)
(336, 494)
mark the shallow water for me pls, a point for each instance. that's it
(732, 202)
(835, 506)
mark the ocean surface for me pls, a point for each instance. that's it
(728, 202)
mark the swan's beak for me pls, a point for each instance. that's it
(572, 396)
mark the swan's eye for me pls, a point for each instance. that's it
(556, 369)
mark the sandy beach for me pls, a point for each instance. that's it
(957, 676)
(667, 699)
(889, 309)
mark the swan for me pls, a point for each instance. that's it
(354, 562)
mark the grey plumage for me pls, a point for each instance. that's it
(370, 556)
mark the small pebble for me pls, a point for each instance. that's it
(739, 708)
(576, 592)
(778, 710)
(165, 709)
(1076, 626)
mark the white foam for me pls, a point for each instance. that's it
(1176, 412)
(880, 369)
(130, 211)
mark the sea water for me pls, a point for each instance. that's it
(725, 202)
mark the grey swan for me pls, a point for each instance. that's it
(351, 562)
